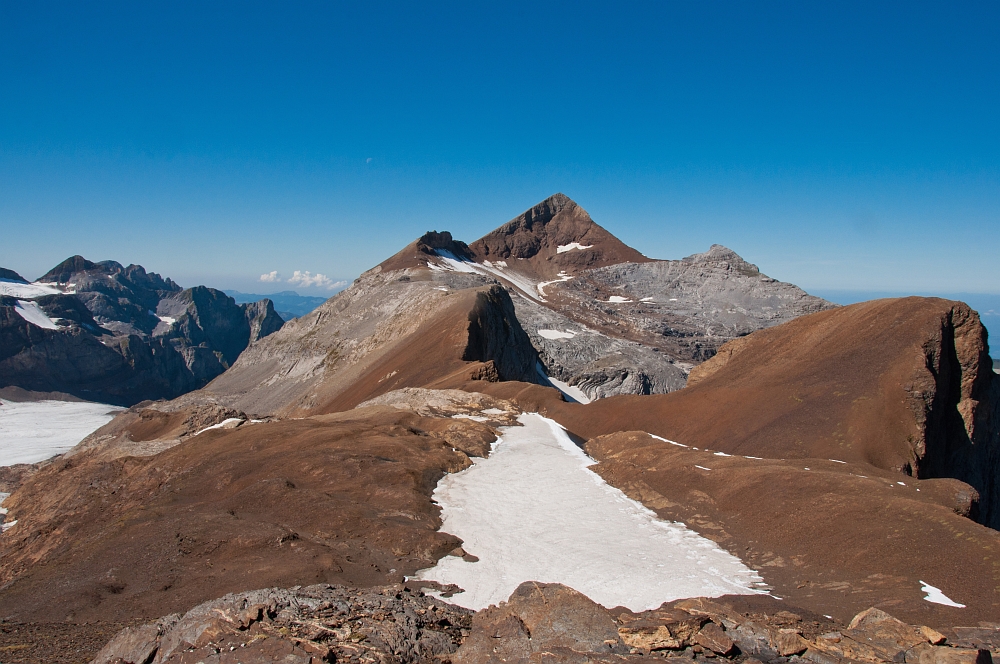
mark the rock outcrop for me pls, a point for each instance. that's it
(105, 332)
(539, 623)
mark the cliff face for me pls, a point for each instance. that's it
(955, 398)
(927, 402)
(496, 335)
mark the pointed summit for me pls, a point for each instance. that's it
(556, 232)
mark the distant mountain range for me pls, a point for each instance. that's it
(288, 304)
(115, 334)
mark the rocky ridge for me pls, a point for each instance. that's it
(539, 623)
(106, 332)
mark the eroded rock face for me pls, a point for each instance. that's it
(311, 624)
(121, 335)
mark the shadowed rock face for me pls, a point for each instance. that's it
(124, 335)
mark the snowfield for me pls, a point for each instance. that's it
(534, 511)
(26, 291)
(34, 431)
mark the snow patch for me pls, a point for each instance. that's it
(562, 523)
(34, 431)
(667, 441)
(618, 299)
(493, 411)
(222, 425)
(703, 467)
(556, 334)
(574, 394)
(937, 597)
(32, 313)
(563, 248)
(474, 418)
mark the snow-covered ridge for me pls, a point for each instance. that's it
(562, 523)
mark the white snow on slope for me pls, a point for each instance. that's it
(571, 392)
(224, 424)
(534, 511)
(937, 597)
(618, 299)
(563, 248)
(451, 262)
(556, 334)
(562, 277)
(25, 291)
(34, 431)
(31, 312)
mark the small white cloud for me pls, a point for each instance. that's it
(271, 277)
(309, 280)
(368, 160)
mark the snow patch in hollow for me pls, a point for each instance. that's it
(937, 597)
(556, 334)
(618, 299)
(563, 248)
(562, 523)
(32, 313)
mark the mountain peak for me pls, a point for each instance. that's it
(10, 275)
(720, 254)
(556, 229)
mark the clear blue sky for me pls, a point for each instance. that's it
(841, 146)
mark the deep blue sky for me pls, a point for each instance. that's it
(840, 146)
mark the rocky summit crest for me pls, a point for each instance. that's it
(555, 228)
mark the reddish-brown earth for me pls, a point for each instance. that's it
(339, 498)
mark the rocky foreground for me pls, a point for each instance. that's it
(540, 623)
